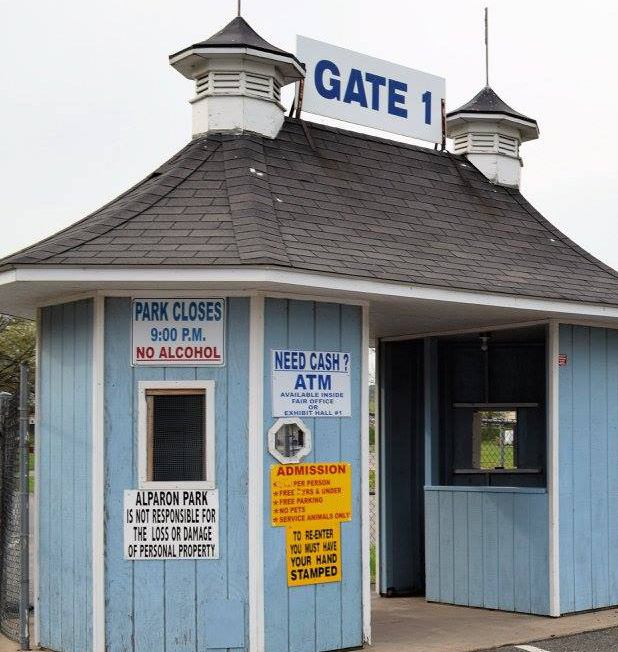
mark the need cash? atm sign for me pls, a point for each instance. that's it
(353, 87)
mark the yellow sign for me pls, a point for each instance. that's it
(310, 493)
(314, 553)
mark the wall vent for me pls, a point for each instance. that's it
(238, 83)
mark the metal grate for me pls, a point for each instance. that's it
(177, 432)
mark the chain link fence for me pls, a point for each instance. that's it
(373, 511)
(14, 514)
(10, 524)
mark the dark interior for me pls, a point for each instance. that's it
(485, 373)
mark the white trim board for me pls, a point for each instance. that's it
(98, 476)
(366, 518)
(256, 475)
(553, 466)
(272, 279)
(209, 433)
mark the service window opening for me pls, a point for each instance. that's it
(176, 433)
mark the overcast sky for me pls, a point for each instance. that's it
(89, 104)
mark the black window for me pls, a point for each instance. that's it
(176, 435)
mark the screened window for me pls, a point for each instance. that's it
(176, 438)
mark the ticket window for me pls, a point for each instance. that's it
(176, 434)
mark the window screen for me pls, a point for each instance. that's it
(176, 435)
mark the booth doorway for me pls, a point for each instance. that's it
(461, 412)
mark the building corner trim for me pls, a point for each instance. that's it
(366, 522)
(553, 480)
(256, 474)
(98, 475)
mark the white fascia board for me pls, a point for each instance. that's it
(270, 278)
(8, 276)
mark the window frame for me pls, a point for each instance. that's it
(174, 386)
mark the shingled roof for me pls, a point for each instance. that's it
(488, 101)
(327, 200)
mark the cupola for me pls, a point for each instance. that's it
(489, 133)
(238, 78)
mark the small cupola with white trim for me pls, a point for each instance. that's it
(238, 77)
(489, 133)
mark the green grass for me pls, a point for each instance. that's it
(490, 455)
(372, 563)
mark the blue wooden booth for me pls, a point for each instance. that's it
(174, 323)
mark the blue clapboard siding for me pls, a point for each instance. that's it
(488, 547)
(64, 433)
(177, 606)
(588, 449)
(323, 616)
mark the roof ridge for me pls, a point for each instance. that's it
(255, 222)
(371, 137)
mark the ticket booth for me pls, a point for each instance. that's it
(203, 376)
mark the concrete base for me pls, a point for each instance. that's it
(414, 625)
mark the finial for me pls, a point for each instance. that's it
(239, 1)
(486, 46)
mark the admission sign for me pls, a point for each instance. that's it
(178, 332)
(311, 501)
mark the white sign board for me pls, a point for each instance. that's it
(174, 524)
(178, 332)
(349, 86)
(311, 383)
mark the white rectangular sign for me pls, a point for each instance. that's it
(178, 331)
(171, 524)
(354, 87)
(311, 383)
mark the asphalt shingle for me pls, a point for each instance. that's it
(339, 202)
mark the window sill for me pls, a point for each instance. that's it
(495, 471)
(170, 486)
(493, 490)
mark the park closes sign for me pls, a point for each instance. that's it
(174, 524)
(311, 383)
(178, 331)
(311, 501)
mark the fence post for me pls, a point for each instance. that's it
(24, 498)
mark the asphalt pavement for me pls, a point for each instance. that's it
(604, 640)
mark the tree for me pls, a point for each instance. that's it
(17, 345)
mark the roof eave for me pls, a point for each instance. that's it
(528, 128)
(188, 59)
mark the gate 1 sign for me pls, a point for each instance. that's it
(349, 86)
(178, 332)
(311, 383)
(171, 524)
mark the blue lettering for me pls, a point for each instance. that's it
(334, 91)
(376, 82)
(395, 97)
(324, 382)
(355, 90)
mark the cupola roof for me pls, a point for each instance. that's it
(236, 37)
(488, 104)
